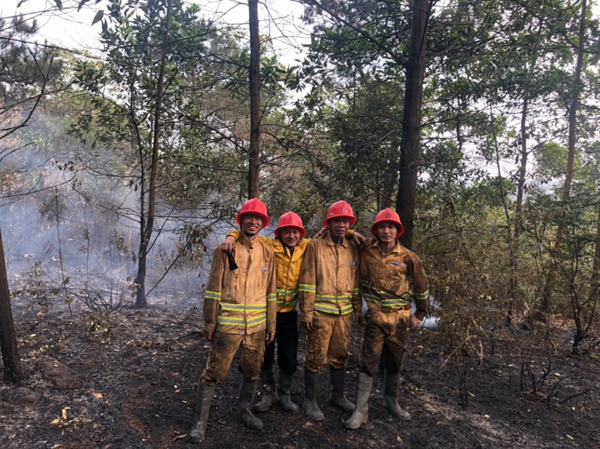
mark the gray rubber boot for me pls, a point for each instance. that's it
(268, 382)
(391, 396)
(337, 398)
(361, 412)
(205, 396)
(285, 382)
(246, 395)
(311, 408)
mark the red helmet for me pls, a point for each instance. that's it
(340, 209)
(256, 207)
(387, 215)
(290, 220)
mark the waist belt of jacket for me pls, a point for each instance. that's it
(243, 315)
(333, 304)
(287, 299)
(383, 298)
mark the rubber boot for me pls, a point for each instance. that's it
(246, 395)
(285, 382)
(205, 395)
(392, 380)
(268, 382)
(361, 412)
(337, 397)
(311, 408)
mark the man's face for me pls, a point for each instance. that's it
(339, 226)
(251, 224)
(290, 236)
(386, 232)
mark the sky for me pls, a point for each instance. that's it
(279, 19)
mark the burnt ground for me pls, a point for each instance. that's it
(132, 382)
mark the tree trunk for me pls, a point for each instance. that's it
(514, 265)
(8, 337)
(545, 304)
(147, 227)
(254, 155)
(413, 99)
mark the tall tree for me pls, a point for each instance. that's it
(411, 122)
(8, 337)
(255, 112)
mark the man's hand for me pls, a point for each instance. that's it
(358, 318)
(322, 233)
(359, 240)
(269, 337)
(307, 326)
(415, 322)
(209, 336)
(228, 244)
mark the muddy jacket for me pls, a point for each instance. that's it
(288, 270)
(386, 279)
(242, 301)
(329, 280)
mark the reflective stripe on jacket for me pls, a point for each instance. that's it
(243, 301)
(288, 270)
(386, 279)
(329, 280)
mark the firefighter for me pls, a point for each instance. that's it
(289, 246)
(387, 271)
(240, 308)
(329, 286)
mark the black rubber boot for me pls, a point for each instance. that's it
(268, 382)
(285, 382)
(311, 408)
(246, 395)
(361, 412)
(392, 380)
(337, 398)
(205, 395)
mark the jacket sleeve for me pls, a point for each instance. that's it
(307, 287)
(212, 295)
(420, 286)
(235, 234)
(272, 296)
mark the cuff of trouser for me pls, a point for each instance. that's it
(210, 328)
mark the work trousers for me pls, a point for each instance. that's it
(387, 333)
(328, 338)
(287, 343)
(222, 351)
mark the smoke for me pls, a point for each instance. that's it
(70, 226)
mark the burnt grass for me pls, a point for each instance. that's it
(131, 382)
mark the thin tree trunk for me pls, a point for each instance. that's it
(8, 338)
(413, 99)
(254, 155)
(545, 304)
(141, 300)
(514, 266)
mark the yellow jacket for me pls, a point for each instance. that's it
(242, 301)
(386, 279)
(329, 280)
(288, 270)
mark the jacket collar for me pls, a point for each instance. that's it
(244, 240)
(397, 248)
(330, 241)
